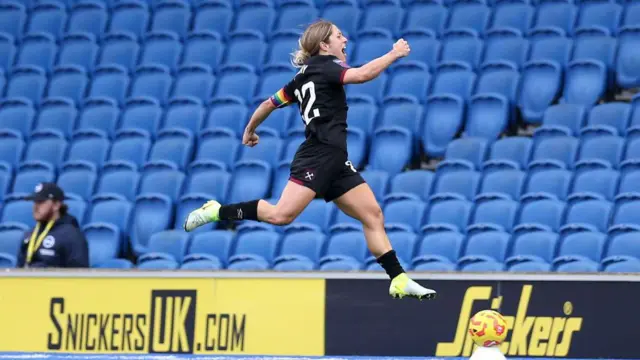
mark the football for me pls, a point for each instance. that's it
(488, 328)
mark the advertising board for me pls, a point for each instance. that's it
(156, 315)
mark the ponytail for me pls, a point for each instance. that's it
(300, 57)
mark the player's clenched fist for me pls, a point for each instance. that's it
(401, 48)
(250, 138)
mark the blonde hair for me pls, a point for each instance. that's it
(309, 42)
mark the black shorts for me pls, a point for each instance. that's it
(324, 169)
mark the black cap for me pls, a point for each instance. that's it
(47, 191)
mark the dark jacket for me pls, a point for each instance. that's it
(64, 247)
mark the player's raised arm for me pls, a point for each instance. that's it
(373, 68)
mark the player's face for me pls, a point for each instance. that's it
(338, 44)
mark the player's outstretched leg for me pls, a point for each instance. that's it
(293, 200)
(361, 204)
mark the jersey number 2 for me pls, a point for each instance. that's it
(308, 89)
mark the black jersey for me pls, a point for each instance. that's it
(318, 90)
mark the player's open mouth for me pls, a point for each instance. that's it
(344, 50)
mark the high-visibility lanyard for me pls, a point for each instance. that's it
(34, 243)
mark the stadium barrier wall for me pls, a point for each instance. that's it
(313, 314)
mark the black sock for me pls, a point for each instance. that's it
(390, 263)
(240, 211)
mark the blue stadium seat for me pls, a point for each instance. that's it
(293, 13)
(224, 113)
(447, 214)
(493, 214)
(88, 16)
(37, 49)
(108, 208)
(499, 78)
(589, 214)
(69, 82)
(12, 235)
(31, 173)
(213, 247)
(301, 247)
(221, 148)
(371, 44)
(213, 15)
(269, 150)
(510, 153)
(99, 115)
(256, 15)
(453, 79)
(282, 41)
(621, 265)
(602, 14)
(350, 247)
(89, 148)
(401, 111)
(194, 80)
(591, 43)
(28, 82)
(120, 49)
(378, 180)
(345, 14)
(173, 146)
(502, 182)
(158, 264)
(18, 211)
(513, 15)
(363, 113)
(612, 117)
(47, 16)
(141, 114)
(240, 43)
(209, 181)
(505, 46)
(78, 180)
(110, 81)
(258, 246)
(161, 48)
(536, 246)
(46, 146)
(131, 147)
(17, 115)
(549, 44)
(411, 183)
(11, 149)
(488, 116)
(585, 82)
(104, 242)
(456, 183)
(316, 216)
(374, 89)
(562, 120)
(404, 215)
(8, 51)
(153, 81)
(467, 151)
(410, 79)
(540, 86)
(470, 15)
(384, 14)
(625, 210)
(13, 17)
(251, 180)
(57, 115)
(628, 47)
(152, 213)
(603, 149)
(236, 80)
(172, 16)
(488, 246)
(582, 247)
(461, 46)
(184, 112)
(168, 245)
(430, 15)
(558, 151)
(272, 79)
(440, 247)
(203, 48)
(550, 182)
(602, 183)
(425, 45)
(130, 16)
(444, 116)
(161, 181)
(556, 14)
(404, 243)
(391, 149)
